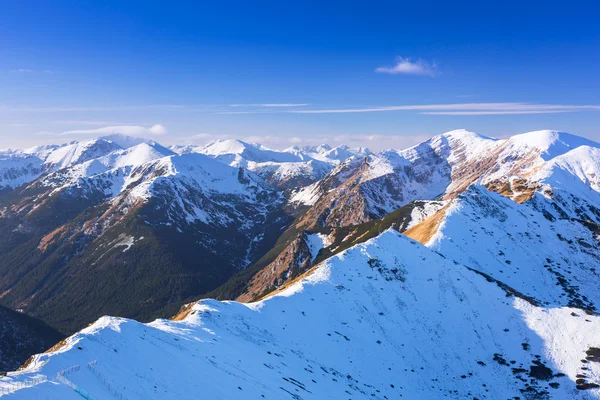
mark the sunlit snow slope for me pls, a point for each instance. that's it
(386, 319)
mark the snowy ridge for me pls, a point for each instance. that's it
(445, 165)
(204, 172)
(236, 152)
(549, 143)
(109, 172)
(385, 319)
(545, 248)
(79, 152)
(291, 168)
(86, 158)
(576, 172)
(393, 178)
(18, 169)
(525, 154)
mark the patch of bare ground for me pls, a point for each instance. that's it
(519, 190)
(184, 311)
(425, 230)
(52, 237)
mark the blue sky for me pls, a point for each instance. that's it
(378, 74)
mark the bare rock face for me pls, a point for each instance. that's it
(295, 259)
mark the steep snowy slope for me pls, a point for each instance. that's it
(21, 166)
(546, 248)
(576, 172)
(548, 143)
(193, 182)
(291, 175)
(108, 173)
(18, 169)
(387, 319)
(79, 152)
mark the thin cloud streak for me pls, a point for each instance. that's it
(464, 107)
(129, 130)
(31, 71)
(496, 112)
(89, 109)
(271, 105)
(88, 122)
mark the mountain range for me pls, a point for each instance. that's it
(463, 267)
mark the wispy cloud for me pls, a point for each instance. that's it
(32, 71)
(524, 112)
(130, 130)
(463, 108)
(270, 105)
(91, 108)
(91, 122)
(405, 66)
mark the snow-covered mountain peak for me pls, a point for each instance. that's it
(238, 153)
(201, 171)
(225, 146)
(80, 152)
(463, 135)
(577, 171)
(549, 143)
(126, 141)
(462, 145)
(140, 154)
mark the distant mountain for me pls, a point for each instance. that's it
(291, 168)
(133, 231)
(21, 336)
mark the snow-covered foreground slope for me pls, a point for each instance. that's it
(386, 319)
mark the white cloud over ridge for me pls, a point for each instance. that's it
(129, 130)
